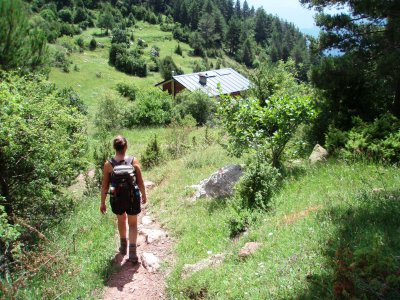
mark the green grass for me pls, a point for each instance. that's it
(79, 256)
(316, 217)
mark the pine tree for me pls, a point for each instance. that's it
(248, 53)
(246, 10)
(238, 11)
(262, 26)
(20, 46)
(233, 35)
(106, 19)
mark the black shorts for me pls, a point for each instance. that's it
(119, 207)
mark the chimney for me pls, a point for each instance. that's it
(203, 78)
(173, 73)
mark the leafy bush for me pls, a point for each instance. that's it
(116, 49)
(65, 15)
(258, 184)
(378, 140)
(126, 61)
(110, 113)
(151, 107)
(80, 42)
(167, 65)
(60, 60)
(40, 151)
(178, 50)
(93, 44)
(267, 124)
(197, 104)
(120, 37)
(127, 90)
(153, 155)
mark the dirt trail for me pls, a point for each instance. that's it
(134, 281)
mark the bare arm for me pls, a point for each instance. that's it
(139, 180)
(105, 186)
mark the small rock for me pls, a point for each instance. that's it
(150, 262)
(318, 154)
(212, 261)
(378, 190)
(146, 220)
(153, 235)
(248, 249)
(149, 184)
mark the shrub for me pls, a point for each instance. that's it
(65, 15)
(127, 90)
(110, 114)
(80, 42)
(197, 104)
(167, 65)
(41, 152)
(60, 60)
(153, 155)
(152, 107)
(378, 141)
(142, 43)
(258, 184)
(178, 50)
(93, 44)
(120, 36)
(116, 49)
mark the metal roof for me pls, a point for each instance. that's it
(222, 81)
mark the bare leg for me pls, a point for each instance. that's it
(132, 221)
(122, 225)
(122, 233)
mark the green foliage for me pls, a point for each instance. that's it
(153, 155)
(60, 60)
(93, 44)
(178, 50)
(367, 35)
(110, 112)
(259, 183)
(65, 15)
(266, 125)
(197, 104)
(40, 151)
(151, 107)
(106, 19)
(178, 137)
(167, 66)
(127, 61)
(20, 46)
(119, 36)
(127, 90)
(378, 141)
(80, 42)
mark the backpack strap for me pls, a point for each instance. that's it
(127, 161)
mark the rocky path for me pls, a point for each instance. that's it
(145, 280)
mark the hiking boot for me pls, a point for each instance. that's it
(133, 258)
(124, 245)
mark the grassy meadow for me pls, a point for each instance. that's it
(331, 228)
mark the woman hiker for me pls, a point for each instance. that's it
(124, 206)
